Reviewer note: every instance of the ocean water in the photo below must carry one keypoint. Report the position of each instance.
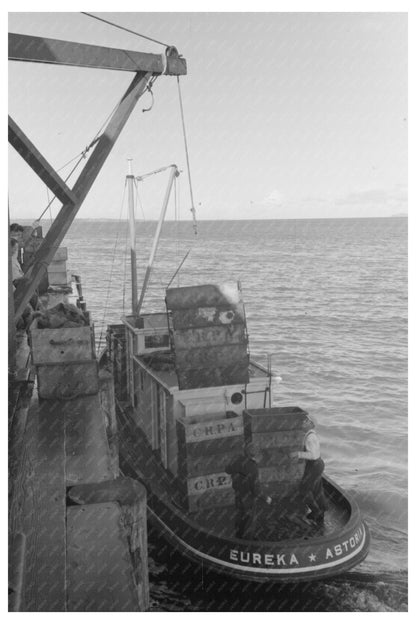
(327, 299)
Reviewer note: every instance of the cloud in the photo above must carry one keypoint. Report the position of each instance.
(274, 198)
(375, 202)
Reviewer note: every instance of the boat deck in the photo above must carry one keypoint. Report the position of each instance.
(273, 523)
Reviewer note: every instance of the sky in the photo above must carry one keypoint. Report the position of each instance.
(288, 115)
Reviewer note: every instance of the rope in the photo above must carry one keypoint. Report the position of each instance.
(187, 159)
(179, 268)
(133, 32)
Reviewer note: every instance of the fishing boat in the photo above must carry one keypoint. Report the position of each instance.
(189, 397)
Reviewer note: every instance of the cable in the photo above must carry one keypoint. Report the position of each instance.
(167, 45)
(81, 155)
(187, 159)
(112, 265)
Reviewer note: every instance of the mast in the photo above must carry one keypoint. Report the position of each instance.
(132, 228)
(173, 174)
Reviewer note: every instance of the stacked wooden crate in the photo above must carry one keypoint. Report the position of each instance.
(57, 271)
(65, 361)
(278, 431)
(209, 335)
(204, 449)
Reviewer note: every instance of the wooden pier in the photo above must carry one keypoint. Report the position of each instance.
(78, 534)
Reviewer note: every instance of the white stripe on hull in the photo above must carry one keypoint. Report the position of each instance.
(269, 571)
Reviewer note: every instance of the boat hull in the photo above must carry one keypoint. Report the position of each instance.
(288, 561)
(207, 537)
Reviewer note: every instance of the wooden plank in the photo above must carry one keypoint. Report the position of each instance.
(39, 164)
(88, 457)
(100, 573)
(64, 219)
(277, 439)
(131, 529)
(44, 511)
(58, 52)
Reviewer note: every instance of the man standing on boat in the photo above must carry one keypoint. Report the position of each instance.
(245, 479)
(311, 492)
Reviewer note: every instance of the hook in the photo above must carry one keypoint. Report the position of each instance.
(146, 110)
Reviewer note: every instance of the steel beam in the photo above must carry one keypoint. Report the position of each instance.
(57, 52)
(81, 188)
(39, 164)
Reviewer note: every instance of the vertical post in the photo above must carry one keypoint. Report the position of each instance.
(11, 321)
(173, 174)
(132, 228)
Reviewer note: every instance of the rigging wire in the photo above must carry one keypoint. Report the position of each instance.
(133, 32)
(187, 159)
(112, 266)
(177, 219)
(126, 245)
(81, 155)
(138, 198)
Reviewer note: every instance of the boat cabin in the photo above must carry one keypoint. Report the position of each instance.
(189, 375)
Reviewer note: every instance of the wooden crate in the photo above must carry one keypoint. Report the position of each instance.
(58, 278)
(66, 344)
(61, 254)
(279, 439)
(291, 471)
(278, 431)
(204, 449)
(211, 499)
(277, 419)
(67, 381)
(65, 361)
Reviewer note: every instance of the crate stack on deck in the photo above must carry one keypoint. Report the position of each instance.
(57, 270)
(278, 431)
(204, 449)
(65, 361)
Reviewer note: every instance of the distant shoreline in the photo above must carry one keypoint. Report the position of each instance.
(110, 220)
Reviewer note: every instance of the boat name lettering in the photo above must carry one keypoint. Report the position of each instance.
(292, 559)
(268, 559)
(344, 547)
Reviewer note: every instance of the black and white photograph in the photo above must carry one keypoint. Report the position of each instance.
(208, 308)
